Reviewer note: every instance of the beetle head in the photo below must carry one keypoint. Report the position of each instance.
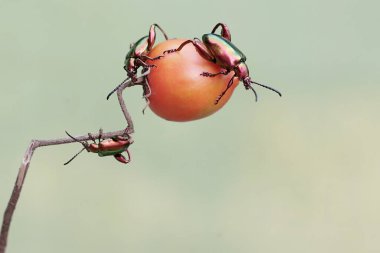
(85, 147)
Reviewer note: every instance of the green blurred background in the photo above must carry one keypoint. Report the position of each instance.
(294, 174)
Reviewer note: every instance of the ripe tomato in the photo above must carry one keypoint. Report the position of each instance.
(179, 92)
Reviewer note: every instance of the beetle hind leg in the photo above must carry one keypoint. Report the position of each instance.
(199, 46)
(225, 32)
(122, 158)
(152, 35)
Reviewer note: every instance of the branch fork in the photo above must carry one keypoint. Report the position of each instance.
(34, 144)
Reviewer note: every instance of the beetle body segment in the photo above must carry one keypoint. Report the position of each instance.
(220, 50)
(225, 54)
(138, 55)
(113, 146)
(109, 147)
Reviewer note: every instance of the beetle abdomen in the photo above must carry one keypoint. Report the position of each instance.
(226, 54)
(110, 152)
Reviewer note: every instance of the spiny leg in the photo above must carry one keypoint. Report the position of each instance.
(169, 51)
(92, 138)
(144, 64)
(152, 59)
(100, 134)
(199, 46)
(224, 92)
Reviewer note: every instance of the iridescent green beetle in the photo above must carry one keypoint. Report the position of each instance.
(138, 54)
(220, 50)
(106, 147)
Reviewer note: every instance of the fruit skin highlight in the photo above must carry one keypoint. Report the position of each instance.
(178, 91)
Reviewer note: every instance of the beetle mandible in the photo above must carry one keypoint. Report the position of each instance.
(106, 147)
(220, 50)
(138, 55)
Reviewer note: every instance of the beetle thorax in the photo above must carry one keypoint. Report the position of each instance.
(94, 148)
(241, 71)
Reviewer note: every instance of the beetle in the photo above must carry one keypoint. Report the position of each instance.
(137, 56)
(106, 147)
(220, 50)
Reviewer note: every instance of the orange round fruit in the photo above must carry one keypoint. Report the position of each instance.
(178, 91)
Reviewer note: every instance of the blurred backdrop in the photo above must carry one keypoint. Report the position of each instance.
(293, 174)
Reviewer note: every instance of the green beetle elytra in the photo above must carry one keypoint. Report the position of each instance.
(220, 50)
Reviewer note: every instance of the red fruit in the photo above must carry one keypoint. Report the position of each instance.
(179, 92)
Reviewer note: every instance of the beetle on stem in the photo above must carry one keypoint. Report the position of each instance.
(137, 57)
(106, 147)
(220, 50)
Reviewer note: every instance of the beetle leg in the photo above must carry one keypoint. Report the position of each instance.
(152, 59)
(121, 158)
(199, 46)
(224, 92)
(142, 63)
(92, 137)
(100, 134)
(169, 51)
(223, 72)
(225, 32)
(152, 35)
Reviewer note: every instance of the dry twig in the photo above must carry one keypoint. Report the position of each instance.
(41, 143)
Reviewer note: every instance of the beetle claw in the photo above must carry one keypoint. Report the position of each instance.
(157, 58)
(217, 99)
(206, 74)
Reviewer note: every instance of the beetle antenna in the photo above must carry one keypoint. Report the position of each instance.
(117, 87)
(74, 156)
(75, 139)
(251, 88)
(269, 88)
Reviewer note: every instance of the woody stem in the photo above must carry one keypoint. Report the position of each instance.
(8, 214)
